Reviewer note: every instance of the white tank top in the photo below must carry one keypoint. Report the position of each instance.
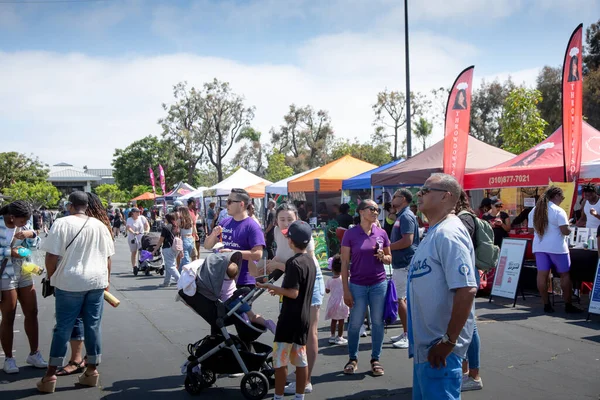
(591, 221)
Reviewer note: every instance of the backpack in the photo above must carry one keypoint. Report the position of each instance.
(486, 252)
(390, 308)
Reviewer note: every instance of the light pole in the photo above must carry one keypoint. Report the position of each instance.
(408, 133)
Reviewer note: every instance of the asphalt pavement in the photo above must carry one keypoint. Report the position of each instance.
(525, 354)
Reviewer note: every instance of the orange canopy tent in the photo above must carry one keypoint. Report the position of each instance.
(329, 177)
(145, 196)
(257, 191)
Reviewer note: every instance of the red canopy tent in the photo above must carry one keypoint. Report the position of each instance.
(536, 166)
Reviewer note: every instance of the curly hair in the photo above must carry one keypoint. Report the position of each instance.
(18, 209)
(463, 203)
(95, 209)
(540, 217)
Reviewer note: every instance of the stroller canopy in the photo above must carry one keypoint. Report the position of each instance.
(211, 275)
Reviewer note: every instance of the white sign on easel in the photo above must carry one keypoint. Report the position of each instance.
(506, 281)
(595, 295)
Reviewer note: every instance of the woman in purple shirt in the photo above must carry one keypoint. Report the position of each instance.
(365, 250)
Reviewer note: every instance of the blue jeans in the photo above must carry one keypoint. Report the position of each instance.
(374, 297)
(78, 332)
(188, 250)
(69, 305)
(170, 257)
(473, 350)
(438, 384)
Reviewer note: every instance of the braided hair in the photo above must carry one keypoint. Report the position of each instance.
(18, 209)
(95, 209)
(540, 217)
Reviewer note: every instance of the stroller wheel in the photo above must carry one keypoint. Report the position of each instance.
(208, 377)
(161, 270)
(135, 271)
(193, 386)
(254, 386)
(147, 273)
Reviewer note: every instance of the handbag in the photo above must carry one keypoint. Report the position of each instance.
(47, 288)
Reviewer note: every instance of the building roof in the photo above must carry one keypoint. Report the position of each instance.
(107, 172)
(71, 175)
(62, 164)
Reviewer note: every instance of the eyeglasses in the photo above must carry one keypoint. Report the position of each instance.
(425, 189)
(372, 209)
(229, 201)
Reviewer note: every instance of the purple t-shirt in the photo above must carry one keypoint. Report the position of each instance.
(365, 268)
(242, 235)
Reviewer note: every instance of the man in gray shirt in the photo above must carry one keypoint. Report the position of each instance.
(440, 294)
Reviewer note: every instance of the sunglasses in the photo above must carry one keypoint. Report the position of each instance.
(229, 201)
(425, 189)
(372, 209)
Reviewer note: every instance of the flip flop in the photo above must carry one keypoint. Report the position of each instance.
(79, 368)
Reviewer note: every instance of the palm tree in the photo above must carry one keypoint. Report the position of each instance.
(423, 131)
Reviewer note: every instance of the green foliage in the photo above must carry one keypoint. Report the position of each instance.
(591, 58)
(378, 154)
(591, 98)
(111, 193)
(486, 109)
(304, 138)
(423, 130)
(549, 84)
(521, 124)
(37, 194)
(139, 190)
(277, 169)
(131, 164)
(251, 154)
(17, 167)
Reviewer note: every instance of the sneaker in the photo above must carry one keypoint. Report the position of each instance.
(10, 366)
(291, 377)
(37, 360)
(332, 340)
(571, 309)
(401, 343)
(469, 384)
(363, 331)
(548, 308)
(271, 326)
(340, 341)
(165, 284)
(291, 388)
(394, 339)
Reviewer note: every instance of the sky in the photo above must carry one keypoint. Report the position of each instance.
(80, 78)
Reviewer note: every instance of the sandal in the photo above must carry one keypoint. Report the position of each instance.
(79, 367)
(351, 367)
(376, 368)
(46, 386)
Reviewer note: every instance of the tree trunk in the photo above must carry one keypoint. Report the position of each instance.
(395, 143)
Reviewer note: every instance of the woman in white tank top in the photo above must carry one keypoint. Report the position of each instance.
(591, 208)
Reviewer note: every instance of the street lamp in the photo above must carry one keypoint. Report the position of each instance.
(408, 134)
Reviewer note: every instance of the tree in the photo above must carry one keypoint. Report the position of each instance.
(17, 167)
(182, 127)
(549, 84)
(224, 116)
(35, 193)
(591, 57)
(390, 111)
(304, 137)
(486, 110)
(250, 155)
(591, 98)
(277, 168)
(378, 154)
(423, 130)
(111, 193)
(131, 164)
(521, 123)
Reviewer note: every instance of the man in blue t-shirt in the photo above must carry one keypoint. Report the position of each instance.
(404, 242)
(440, 294)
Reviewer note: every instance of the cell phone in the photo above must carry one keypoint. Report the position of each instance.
(262, 279)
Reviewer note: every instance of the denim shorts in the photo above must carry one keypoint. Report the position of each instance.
(443, 383)
(319, 290)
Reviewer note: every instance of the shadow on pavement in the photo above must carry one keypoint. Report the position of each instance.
(146, 288)
(333, 350)
(154, 388)
(401, 394)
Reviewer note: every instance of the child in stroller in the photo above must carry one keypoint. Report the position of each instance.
(147, 260)
(222, 352)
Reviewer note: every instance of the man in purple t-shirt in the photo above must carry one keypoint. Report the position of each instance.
(240, 233)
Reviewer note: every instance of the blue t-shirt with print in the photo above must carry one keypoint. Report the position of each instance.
(443, 262)
(406, 224)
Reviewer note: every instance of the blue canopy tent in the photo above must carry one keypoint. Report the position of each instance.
(363, 181)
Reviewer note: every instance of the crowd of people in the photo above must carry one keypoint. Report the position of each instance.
(435, 276)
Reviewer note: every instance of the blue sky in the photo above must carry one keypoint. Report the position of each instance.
(94, 74)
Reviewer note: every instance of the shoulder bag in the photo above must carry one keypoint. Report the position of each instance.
(47, 288)
(2, 268)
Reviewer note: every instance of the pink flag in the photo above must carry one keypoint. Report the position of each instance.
(161, 171)
(152, 181)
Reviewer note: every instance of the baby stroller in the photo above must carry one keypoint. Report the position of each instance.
(147, 261)
(222, 352)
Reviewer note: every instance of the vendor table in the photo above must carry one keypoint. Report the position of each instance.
(583, 265)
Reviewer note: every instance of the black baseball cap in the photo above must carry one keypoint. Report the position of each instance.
(299, 232)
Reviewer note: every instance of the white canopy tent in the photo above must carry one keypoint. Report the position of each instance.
(281, 187)
(239, 179)
(195, 194)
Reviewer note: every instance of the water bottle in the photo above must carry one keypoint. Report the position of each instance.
(23, 252)
(31, 268)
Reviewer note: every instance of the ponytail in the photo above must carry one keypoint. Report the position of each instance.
(540, 217)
